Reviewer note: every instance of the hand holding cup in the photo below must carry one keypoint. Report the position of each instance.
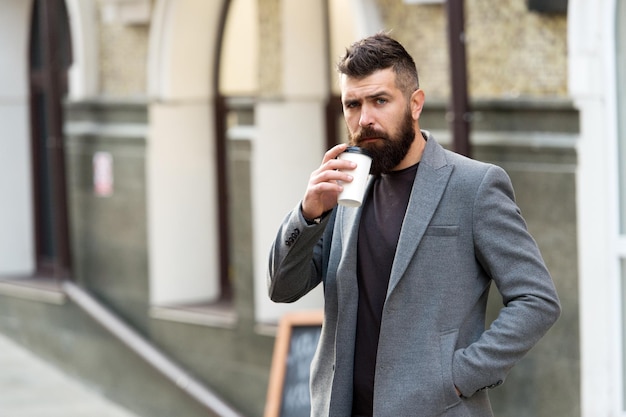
(326, 182)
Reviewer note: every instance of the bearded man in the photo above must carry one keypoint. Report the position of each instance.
(406, 276)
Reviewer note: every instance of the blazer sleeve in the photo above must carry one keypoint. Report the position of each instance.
(298, 257)
(509, 254)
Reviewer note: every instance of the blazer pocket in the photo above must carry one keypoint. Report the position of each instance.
(447, 343)
(442, 230)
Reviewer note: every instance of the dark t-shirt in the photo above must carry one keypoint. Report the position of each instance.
(379, 230)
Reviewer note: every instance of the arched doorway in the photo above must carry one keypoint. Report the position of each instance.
(34, 217)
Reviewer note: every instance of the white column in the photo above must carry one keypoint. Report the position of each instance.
(284, 155)
(181, 165)
(184, 262)
(290, 140)
(16, 216)
(592, 86)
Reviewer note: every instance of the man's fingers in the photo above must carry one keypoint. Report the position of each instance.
(331, 163)
(330, 175)
(334, 152)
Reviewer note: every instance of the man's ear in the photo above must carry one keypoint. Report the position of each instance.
(417, 103)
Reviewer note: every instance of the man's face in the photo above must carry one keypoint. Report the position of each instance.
(378, 118)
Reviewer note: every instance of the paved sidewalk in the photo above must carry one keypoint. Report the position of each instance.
(29, 387)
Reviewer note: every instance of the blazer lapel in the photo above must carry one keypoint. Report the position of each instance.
(430, 183)
(349, 219)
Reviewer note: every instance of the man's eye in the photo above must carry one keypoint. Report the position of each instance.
(351, 105)
(381, 100)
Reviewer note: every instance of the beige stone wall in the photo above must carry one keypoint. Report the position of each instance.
(270, 72)
(511, 52)
(422, 30)
(123, 60)
(123, 51)
(514, 52)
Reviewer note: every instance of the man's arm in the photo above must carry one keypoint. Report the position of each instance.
(296, 258)
(295, 263)
(511, 257)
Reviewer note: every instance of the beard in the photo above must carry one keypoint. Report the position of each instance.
(388, 152)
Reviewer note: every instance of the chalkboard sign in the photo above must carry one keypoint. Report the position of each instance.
(296, 342)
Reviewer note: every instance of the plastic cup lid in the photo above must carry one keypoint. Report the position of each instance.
(356, 149)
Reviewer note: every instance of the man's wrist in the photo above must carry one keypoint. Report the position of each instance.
(310, 222)
(315, 220)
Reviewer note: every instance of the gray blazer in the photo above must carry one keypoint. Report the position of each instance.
(462, 230)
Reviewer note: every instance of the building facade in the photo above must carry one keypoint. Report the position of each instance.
(147, 157)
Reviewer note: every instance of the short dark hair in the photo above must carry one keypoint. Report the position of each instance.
(378, 52)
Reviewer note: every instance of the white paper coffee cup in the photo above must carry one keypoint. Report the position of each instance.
(353, 192)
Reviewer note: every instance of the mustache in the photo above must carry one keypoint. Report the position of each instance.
(368, 133)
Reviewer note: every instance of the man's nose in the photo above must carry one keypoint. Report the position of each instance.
(366, 118)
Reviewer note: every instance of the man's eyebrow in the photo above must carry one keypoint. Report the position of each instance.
(377, 94)
(373, 96)
(350, 100)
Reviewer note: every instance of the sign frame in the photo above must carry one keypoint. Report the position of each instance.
(281, 352)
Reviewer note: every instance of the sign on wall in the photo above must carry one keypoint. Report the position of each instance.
(103, 174)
